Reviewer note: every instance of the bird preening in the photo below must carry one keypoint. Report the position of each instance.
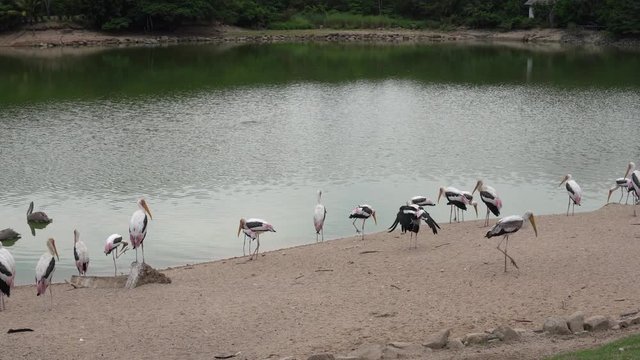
(255, 226)
(362, 212)
(409, 218)
(45, 268)
(116, 247)
(510, 225)
(574, 191)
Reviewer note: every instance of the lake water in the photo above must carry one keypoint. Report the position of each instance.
(209, 134)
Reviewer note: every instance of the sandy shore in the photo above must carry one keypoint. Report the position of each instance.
(338, 295)
(52, 37)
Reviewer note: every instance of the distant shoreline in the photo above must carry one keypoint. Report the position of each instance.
(69, 37)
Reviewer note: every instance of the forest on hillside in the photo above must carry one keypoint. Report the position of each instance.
(619, 17)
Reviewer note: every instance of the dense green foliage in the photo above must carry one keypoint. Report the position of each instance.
(616, 16)
(630, 350)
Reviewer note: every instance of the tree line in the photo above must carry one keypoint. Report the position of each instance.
(620, 17)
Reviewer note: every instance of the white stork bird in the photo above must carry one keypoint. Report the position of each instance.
(455, 198)
(635, 183)
(421, 201)
(490, 198)
(138, 226)
(116, 247)
(362, 212)
(7, 274)
(509, 225)
(45, 268)
(80, 253)
(574, 191)
(319, 214)
(624, 184)
(256, 226)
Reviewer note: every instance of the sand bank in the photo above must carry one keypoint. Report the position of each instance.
(337, 295)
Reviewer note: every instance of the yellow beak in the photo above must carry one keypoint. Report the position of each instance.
(440, 194)
(374, 217)
(609, 197)
(239, 229)
(146, 208)
(475, 188)
(55, 250)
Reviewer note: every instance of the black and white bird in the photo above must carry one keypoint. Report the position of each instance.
(635, 183)
(116, 247)
(490, 198)
(80, 254)
(625, 185)
(319, 215)
(38, 216)
(256, 226)
(455, 198)
(510, 225)
(574, 191)
(45, 268)
(362, 212)
(138, 226)
(409, 218)
(421, 201)
(7, 274)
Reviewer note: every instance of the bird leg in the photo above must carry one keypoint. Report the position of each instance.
(322, 231)
(363, 220)
(51, 291)
(568, 205)
(621, 195)
(142, 245)
(573, 209)
(1, 302)
(255, 254)
(136, 255)
(115, 267)
(354, 225)
(506, 237)
(450, 212)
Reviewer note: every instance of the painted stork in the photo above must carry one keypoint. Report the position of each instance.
(38, 216)
(9, 234)
(7, 274)
(138, 226)
(409, 217)
(455, 198)
(80, 253)
(490, 198)
(247, 234)
(116, 247)
(45, 268)
(574, 191)
(635, 183)
(362, 212)
(624, 184)
(319, 214)
(421, 201)
(256, 226)
(509, 225)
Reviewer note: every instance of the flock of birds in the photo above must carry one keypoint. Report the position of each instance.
(409, 217)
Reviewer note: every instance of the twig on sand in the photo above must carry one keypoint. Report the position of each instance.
(11, 331)
(319, 270)
(522, 320)
(298, 277)
(395, 287)
(623, 299)
(369, 251)
(630, 313)
(227, 356)
(437, 246)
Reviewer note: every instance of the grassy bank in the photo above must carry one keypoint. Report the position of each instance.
(628, 348)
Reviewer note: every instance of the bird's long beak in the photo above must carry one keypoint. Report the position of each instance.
(55, 250)
(239, 228)
(609, 197)
(475, 188)
(563, 180)
(75, 236)
(533, 223)
(440, 194)
(475, 206)
(146, 208)
(374, 217)
(628, 170)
